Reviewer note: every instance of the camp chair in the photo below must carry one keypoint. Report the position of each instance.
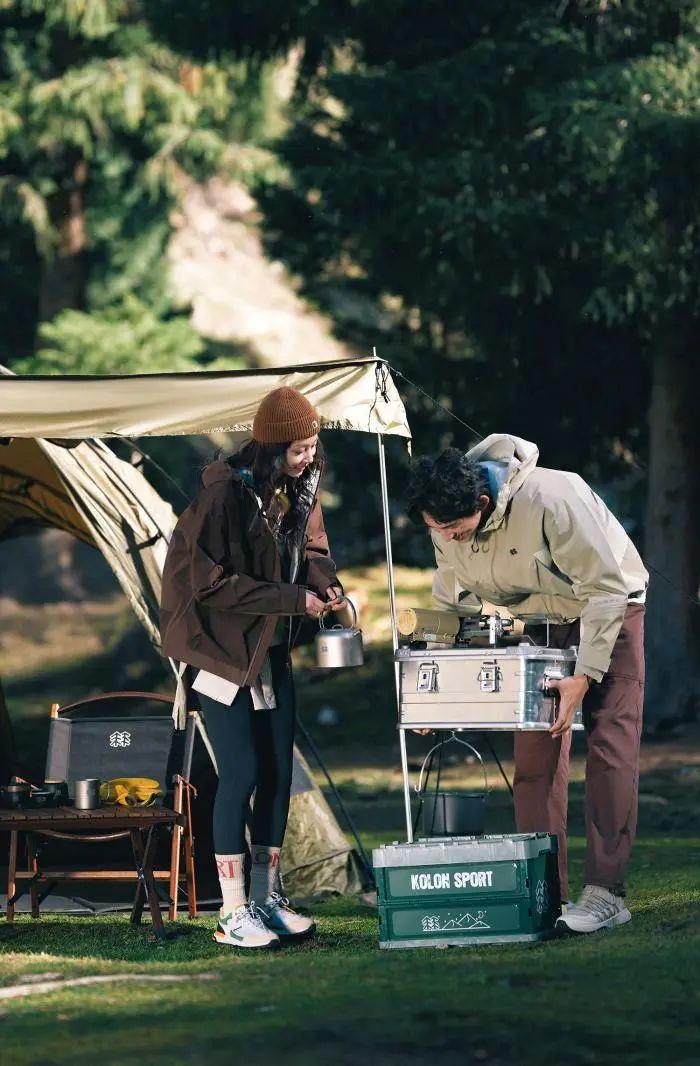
(102, 747)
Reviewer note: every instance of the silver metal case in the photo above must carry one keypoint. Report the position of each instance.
(482, 688)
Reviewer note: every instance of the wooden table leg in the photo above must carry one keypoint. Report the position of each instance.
(33, 868)
(144, 869)
(189, 859)
(149, 856)
(11, 881)
(175, 848)
(140, 895)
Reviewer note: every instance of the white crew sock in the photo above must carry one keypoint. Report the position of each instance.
(264, 872)
(232, 880)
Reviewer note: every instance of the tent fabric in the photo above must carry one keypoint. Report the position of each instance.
(316, 858)
(32, 493)
(354, 394)
(88, 491)
(129, 522)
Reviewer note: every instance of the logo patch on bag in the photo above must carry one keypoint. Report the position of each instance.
(120, 739)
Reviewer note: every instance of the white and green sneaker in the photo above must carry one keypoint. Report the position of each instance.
(598, 908)
(245, 928)
(285, 922)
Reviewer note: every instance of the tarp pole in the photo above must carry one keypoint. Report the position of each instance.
(394, 631)
(387, 541)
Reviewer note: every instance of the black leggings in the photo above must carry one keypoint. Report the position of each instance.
(254, 753)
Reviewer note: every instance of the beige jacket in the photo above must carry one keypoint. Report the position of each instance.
(550, 549)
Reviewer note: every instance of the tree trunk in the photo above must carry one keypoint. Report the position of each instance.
(673, 533)
(63, 276)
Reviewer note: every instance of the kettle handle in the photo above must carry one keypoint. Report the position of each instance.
(354, 617)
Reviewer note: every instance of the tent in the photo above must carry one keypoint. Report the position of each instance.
(55, 471)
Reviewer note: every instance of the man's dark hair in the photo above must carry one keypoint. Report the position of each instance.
(446, 488)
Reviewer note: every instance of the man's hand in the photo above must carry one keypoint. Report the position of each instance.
(571, 692)
(336, 600)
(314, 606)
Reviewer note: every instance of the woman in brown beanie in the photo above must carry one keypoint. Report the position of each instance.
(247, 560)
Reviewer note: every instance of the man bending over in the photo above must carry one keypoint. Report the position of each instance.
(542, 544)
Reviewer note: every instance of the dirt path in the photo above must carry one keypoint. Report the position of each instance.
(237, 294)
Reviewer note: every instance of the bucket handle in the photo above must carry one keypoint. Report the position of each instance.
(440, 743)
(338, 625)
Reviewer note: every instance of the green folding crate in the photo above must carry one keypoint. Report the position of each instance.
(462, 891)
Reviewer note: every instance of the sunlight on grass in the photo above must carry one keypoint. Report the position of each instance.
(629, 994)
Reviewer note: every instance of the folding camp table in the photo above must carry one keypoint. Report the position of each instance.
(142, 825)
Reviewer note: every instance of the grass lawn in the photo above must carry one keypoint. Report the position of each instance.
(631, 994)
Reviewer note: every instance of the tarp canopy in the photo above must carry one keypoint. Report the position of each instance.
(356, 394)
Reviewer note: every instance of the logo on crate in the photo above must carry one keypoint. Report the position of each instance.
(460, 879)
(433, 923)
(120, 739)
(542, 896)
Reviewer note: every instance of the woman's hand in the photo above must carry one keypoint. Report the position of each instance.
(571, 692)
(314, 605)
(336, 600)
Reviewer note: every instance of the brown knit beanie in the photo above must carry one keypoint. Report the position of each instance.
(285, 415)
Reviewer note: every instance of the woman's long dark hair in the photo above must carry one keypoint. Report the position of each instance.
(266, 463)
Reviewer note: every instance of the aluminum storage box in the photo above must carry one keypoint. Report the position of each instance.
(481, 688)
(465, 891)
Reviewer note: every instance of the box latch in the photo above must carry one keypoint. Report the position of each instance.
(427, 677)
(490, 676)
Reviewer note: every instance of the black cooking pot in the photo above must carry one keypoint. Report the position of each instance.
(454, 814)
(14, 797)
(40, 798)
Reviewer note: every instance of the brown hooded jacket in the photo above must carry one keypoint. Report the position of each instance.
(222, 582)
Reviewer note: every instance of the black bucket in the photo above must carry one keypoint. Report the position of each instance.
(448, 814)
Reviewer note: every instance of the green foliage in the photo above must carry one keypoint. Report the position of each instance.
(519, 184)
(86, 81)
(100, 122)
(126, 338)
(251, 29)
(89, 18)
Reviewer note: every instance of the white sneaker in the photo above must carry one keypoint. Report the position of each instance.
(285, 922)
(598, 908)
(244, 928)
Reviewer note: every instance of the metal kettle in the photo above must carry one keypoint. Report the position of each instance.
(340, 645)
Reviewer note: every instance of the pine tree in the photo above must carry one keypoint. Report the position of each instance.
(519, 184)
(98, 122)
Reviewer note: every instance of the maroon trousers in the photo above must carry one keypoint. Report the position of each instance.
(612, 715)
